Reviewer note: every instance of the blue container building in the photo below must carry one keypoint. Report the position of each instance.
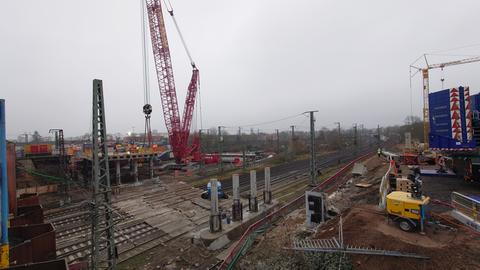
(451, 119)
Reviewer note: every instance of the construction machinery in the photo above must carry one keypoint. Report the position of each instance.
(407, 210)
(426, 86)
(402, 198)
(178, 128)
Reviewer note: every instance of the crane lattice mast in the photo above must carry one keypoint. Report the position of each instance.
(178, 130)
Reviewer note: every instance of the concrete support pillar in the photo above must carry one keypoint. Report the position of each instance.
(135, 170)
(252, 198)
(117, 172)
(237, 207)
(267, 193)
(151, 168)
(236, 186)
(215, 220)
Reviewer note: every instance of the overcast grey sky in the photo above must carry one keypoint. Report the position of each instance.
(259, 60)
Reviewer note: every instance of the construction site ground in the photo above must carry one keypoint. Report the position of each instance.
(448, 244)
(180, 253)
(157, 219)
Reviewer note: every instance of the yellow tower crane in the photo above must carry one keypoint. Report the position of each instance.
(426, 86)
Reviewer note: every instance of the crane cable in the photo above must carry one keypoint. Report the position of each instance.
(267, 122)
(170, 11)
(184, 43)
(147, 108)
(146, 79)
(411, 95)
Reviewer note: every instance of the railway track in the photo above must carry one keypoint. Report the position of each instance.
(297, 170)
(132, 236)
(291, 184)
(128, 236)
(133, 233)
(135, 236)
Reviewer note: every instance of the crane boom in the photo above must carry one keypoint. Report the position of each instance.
(454, 63)
(178, 131)
(189, 105)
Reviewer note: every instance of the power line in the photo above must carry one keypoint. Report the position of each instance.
(458, 48)
(266, 123)
(184, 43)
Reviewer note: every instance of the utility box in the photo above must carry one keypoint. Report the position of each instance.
(315, 208)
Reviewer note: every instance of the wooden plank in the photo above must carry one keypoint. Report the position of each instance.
(363, 185)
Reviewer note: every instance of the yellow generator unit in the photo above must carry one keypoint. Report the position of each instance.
(406, 210)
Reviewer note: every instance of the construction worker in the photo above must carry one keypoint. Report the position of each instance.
(441, 163)
(468, 170)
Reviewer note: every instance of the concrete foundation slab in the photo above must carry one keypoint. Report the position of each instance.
(359, 169)
(235, 229)
(219, 243)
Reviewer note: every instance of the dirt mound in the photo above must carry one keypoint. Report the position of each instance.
(363, 226)
(409, 238)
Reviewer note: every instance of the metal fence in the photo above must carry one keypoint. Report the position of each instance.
(466, 205)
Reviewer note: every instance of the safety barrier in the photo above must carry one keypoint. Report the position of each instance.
(258, 227)
(466, 205)
(385, 185)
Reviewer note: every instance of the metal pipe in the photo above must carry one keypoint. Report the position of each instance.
(4, 256)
